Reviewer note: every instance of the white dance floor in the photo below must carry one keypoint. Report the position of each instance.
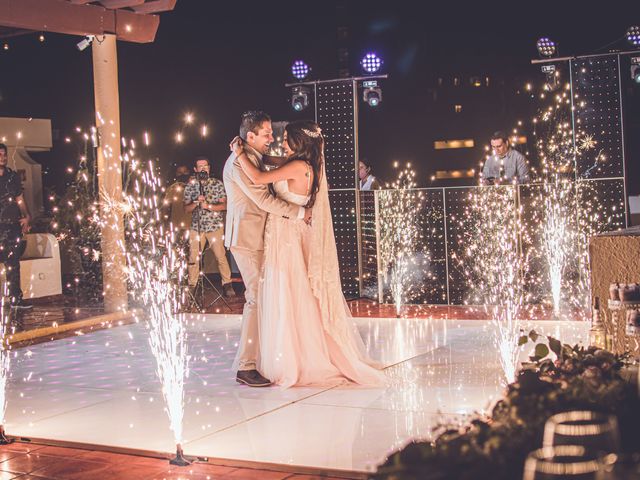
(101, 389)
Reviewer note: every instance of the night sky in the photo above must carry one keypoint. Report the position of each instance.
(218, 59)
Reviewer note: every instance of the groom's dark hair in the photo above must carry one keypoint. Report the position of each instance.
(251, 122)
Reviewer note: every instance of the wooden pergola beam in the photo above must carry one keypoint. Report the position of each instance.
(156, 6)
(114, 4)
(61, 16)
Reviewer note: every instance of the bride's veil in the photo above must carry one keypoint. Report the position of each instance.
(324, 274)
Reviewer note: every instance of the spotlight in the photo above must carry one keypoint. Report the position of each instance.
(300, 70)
(633, 36)
(300, 98)
(85, 42)
(635, 70)
(41, 37)
(546, 47)
(552, 77)
(371, 63)
(372, 93)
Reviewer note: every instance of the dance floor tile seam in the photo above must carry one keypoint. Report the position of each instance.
(305, 400)
(222, 429)
(288, 404)
(395, 410)
(68, 412)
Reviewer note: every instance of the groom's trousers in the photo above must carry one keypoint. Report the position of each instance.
(249, 263)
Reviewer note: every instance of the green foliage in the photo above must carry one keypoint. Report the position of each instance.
(496, 445)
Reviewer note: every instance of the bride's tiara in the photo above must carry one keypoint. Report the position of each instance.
(312, 133)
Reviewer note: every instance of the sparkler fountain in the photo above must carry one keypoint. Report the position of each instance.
(155, 261)
(5, 361)
(567, 217)
(153, 272)
(494, 265)
(156, 268)
(400, 234)
(557, 234)
(555, 146)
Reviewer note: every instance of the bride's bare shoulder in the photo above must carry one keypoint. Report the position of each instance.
(298, 165)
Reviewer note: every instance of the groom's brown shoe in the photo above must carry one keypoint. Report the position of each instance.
(252, 378)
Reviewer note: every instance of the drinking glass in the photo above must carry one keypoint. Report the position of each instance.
(564, 462)
(595, 431)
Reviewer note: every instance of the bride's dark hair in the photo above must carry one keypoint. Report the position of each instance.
(306, 141)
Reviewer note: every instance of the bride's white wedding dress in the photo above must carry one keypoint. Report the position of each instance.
(307, 335)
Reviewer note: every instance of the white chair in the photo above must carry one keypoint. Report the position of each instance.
(40, 274)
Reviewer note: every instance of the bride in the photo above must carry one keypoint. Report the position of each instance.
(307, 335)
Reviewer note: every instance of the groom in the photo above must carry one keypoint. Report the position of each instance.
(247, 208)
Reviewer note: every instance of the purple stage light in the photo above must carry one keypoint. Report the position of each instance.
(300, 70)
(371, 63)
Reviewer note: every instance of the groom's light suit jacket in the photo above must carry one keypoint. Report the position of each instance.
(248, 205)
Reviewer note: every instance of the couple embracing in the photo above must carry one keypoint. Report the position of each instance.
(296, 325)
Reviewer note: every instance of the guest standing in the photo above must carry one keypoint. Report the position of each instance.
(14, 222)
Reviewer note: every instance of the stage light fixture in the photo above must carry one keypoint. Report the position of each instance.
(85, 42)
(299, 98)
(552, 77)
(546, 47)
(372, 93)
(635, 70)
(371, 63)
(633, 36)
(300, 70)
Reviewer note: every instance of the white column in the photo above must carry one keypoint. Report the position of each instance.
(107, 102)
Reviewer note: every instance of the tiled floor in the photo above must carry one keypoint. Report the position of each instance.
(101, 389)
(24, 462)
